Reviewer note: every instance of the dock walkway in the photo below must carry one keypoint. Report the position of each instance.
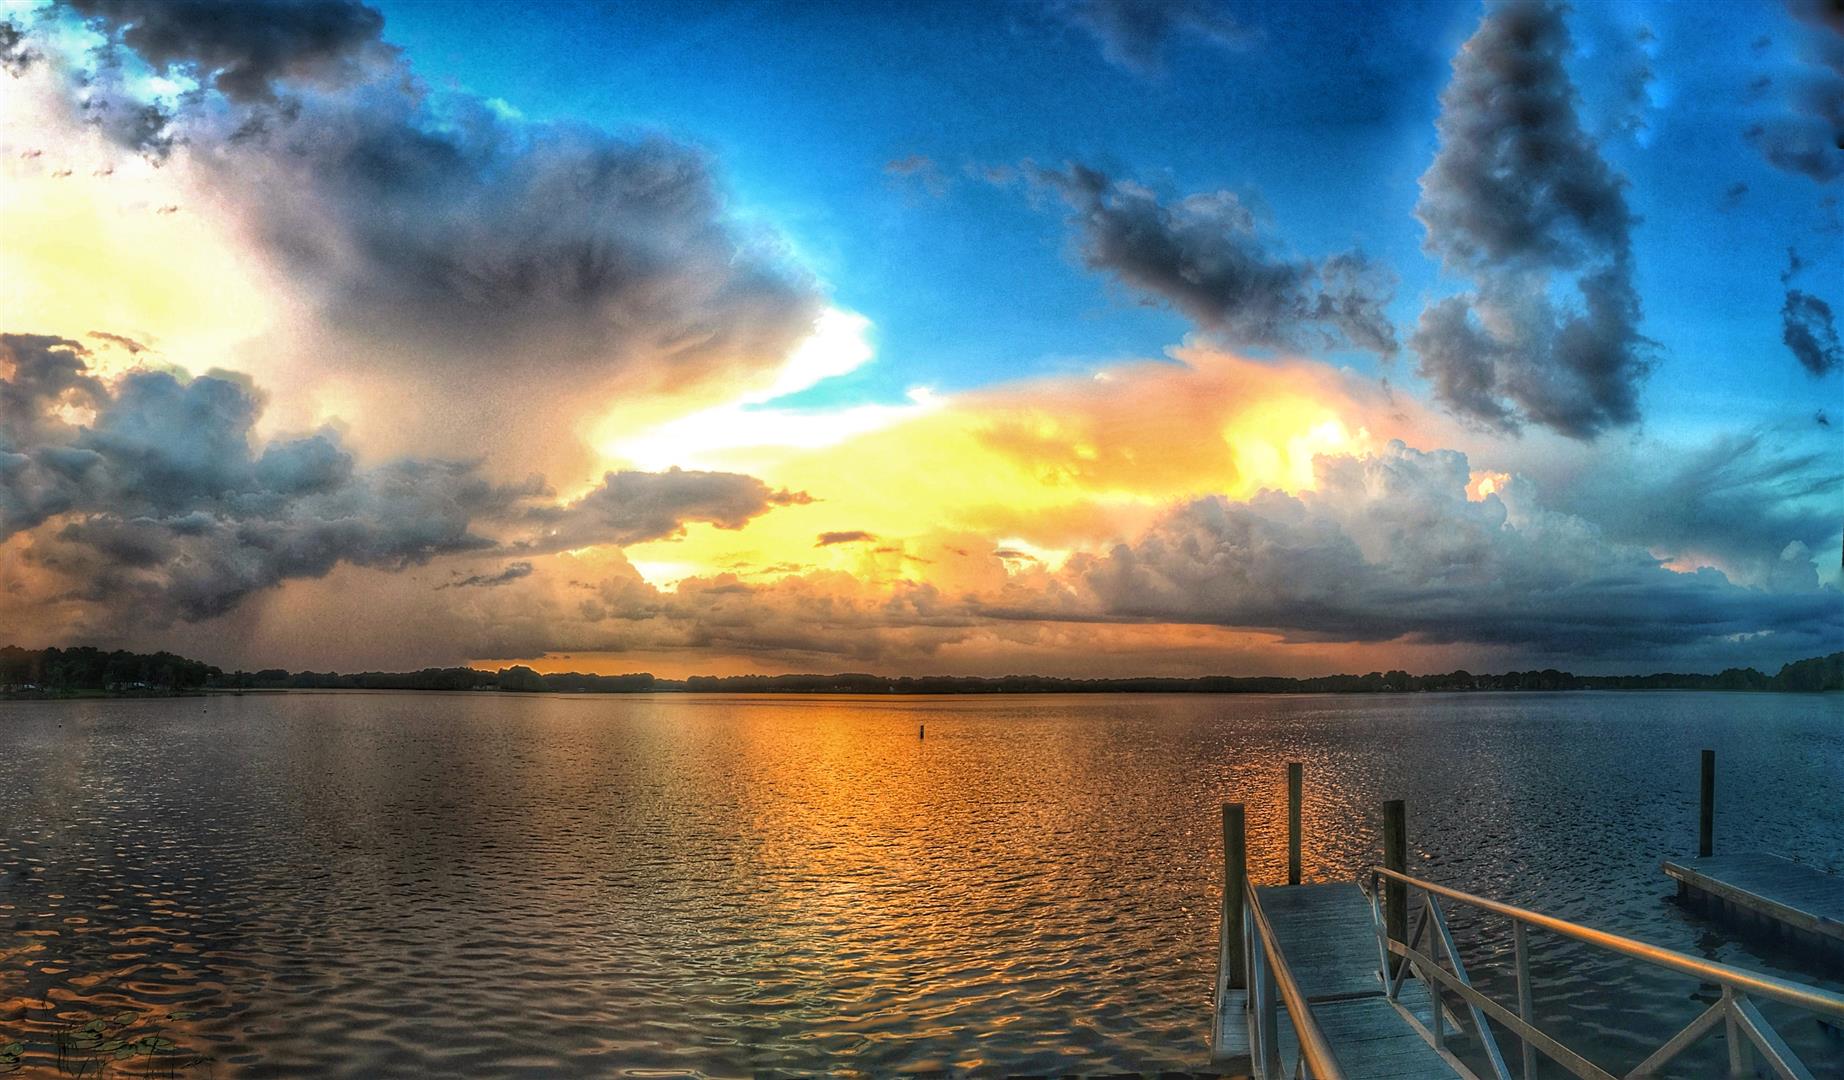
(1767, 889)
(1327, 935)
(1317, 953)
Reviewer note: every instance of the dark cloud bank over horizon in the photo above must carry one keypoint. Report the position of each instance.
(150, 493)
(1390, 546)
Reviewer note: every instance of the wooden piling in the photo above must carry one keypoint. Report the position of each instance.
(1706, 817)
(1294, 781)
(1396, 857)
(921, 731)
(1235, 880)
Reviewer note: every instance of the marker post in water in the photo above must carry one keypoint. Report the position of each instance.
(1706, 817)
(1294, 783)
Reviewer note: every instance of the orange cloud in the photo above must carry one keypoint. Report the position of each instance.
(1059, 463)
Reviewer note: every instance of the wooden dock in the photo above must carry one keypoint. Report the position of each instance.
(1300, 987)
(1766, 892)
(1759, 892)
(1327, 935)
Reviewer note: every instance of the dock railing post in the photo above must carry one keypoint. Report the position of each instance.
(1233, 958)
(1396, 857)
(1294, 782)
(1706, 817)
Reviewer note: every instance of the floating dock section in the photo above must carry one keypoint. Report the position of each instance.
(1759, 892)
(1767, 893)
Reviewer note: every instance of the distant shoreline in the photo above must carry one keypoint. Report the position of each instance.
(90, 672)
(98, 695)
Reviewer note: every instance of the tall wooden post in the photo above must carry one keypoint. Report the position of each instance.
(1396, 857)
(1293, 822)
(1706, 818)
(1233, 957)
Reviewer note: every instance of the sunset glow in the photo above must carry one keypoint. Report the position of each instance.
(612, 391)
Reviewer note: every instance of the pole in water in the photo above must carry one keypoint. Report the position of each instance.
(1706, 818)
(921, 731)
(1293, 822)
(1233, 958)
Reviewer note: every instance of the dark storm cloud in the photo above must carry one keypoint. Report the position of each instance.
(1136, 34)
(634, 507)
(441, 224)
(15, 55)
(1205, 255)
(1807, 135)
(245, 47)
(150, 492)
(458, 227)
(512, 572)
(1519, 200)
(1807, 325)
(1389, 546)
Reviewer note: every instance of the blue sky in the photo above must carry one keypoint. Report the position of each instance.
(1286, 337)
(1324, 120)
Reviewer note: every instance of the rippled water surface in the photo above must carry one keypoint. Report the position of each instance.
(489, 885)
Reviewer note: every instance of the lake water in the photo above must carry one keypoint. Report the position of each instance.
(486, 885)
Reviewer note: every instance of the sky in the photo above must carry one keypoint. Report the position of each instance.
(1053, 336)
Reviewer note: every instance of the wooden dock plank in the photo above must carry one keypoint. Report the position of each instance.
(1229, 1042)
(1372, 1041)
(1800, 897)
(1326, 934)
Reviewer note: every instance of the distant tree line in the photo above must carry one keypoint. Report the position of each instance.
(55, 671)
(1820, 673)
(86, 668)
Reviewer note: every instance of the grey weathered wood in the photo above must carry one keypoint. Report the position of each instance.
(1706, 815)
(1373, 1041)
(1327, 937)
(1798, 898)
(1229, 1032)
(1294, 784)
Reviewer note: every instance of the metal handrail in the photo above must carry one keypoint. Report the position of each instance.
(1315, 1048)
(1808, 997)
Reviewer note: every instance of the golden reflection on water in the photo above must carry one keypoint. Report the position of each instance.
(481, 885)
